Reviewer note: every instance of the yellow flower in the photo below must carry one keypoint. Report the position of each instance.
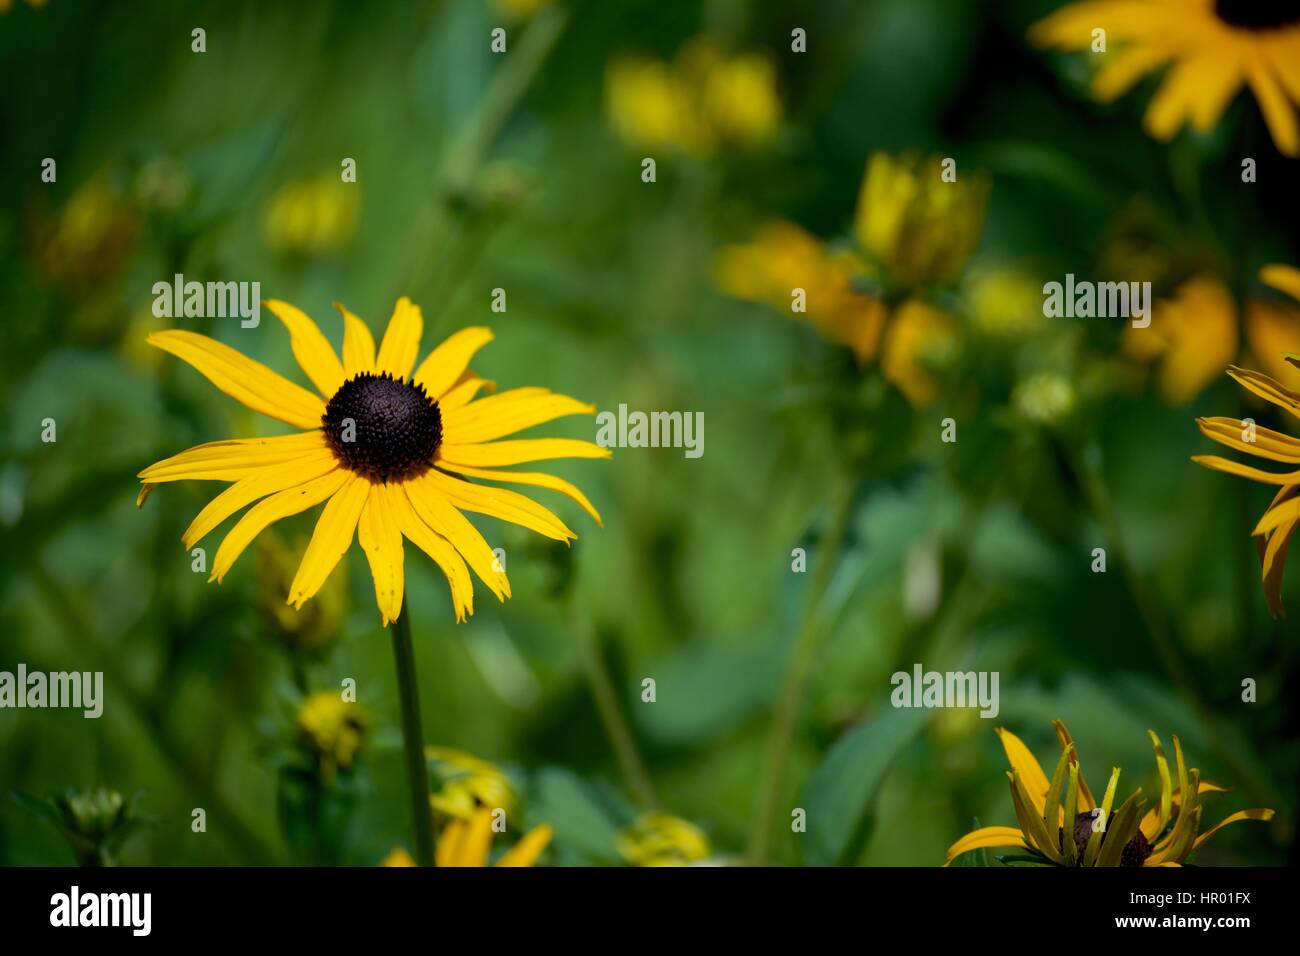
(1278, 524)
(1212, 48)
(333, 729)
(783, 258)
(469, 784)
(1196, 333)
(313, 217)
(398, 856)
(660, 839)
(1045, 398)
(700, 102)
(1087, 833)
(921, 337)
(915, 226)
(388, 446)
(468, 842)
(1005, 303)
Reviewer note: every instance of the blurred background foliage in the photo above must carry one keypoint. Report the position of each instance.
(477, 171)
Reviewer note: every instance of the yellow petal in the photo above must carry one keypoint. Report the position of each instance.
(444, 365)
(401, 344)
(358, 344)
(536, 478)
(528, 849)
(507, 413)
(233, 459)
(463, 392)
(242, 378)
(381, 540)
(1254, 814)
(310, 347)
(1283, 278)
(291, 501)
(438, 513)
(1246, 471)
(476, 840)
(448, 851)
(1154, 822)
(1274, 561)
(439, 549)
(265, 481)
(330, 540)
(1285, 513)
(500, 503)
(1023, 762)
(1032, 824)
(1123, 68)
(1267, 443)
(1086, 799)
(1277, 109)
(519, 450)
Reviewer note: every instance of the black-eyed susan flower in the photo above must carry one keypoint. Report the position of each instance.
(1211, 48)
(332, 730)
(1060, 822)
(467, 784)
(661, 839)
(1279, 522)
(394, 451)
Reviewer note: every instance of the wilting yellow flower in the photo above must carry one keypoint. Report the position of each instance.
(1279, 522)
(1195, 334)
(1212, 48)
(1085, 832)
(661, 839)
(468, 842)
(916, 227)
(783, 258)
(333, 729)
(920, 338)
(702, 101)
(92, 236)
(313, 217)
(469, 784)
(386, 445)
(316, 626)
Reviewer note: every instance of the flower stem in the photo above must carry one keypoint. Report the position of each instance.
(800, 660)
(417, 770)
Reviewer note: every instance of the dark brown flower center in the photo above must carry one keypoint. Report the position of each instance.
(383, 428)
(1135, 851)
(1258, 14)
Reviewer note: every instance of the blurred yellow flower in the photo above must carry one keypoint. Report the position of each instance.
(1212, 49)
(1005, 303)
(317, 625)
(1045, 398)
(915, 226)
(782, 258)
(702, 101)
(468, 843)
(1086, 833)
(332, 729)
(468, 784)
(660, 839)
(313, 217)
(92, 236)
(921, 338)
(1279, 522)
(1194, 335)
(398, 856)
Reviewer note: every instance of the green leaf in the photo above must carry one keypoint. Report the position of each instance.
(842, 790)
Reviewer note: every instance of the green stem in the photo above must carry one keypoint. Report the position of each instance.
(417, 770)
(626, 752)
(798, 664)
